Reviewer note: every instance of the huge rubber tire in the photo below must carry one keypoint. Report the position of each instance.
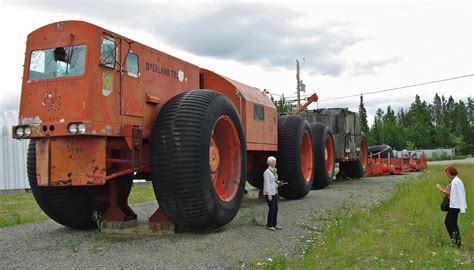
(324, 159)
(357, 168)
(198, 160)
(295, 156)
(69, 206)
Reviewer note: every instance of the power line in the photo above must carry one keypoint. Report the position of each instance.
(398, 88)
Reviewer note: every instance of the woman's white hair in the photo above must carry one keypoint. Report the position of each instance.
(270, 159)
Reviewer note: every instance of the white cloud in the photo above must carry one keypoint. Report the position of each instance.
(348, 48)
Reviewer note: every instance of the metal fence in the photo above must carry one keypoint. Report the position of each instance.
(12, 155)
(430, 153)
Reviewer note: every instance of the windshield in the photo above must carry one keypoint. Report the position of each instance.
(57, 62)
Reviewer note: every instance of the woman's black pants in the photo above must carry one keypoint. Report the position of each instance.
(272, 211)
(451, 222)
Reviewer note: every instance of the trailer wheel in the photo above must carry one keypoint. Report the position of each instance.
(198, 160)
(357, 168)
(324, 166)
(295, 156)
(69, 206)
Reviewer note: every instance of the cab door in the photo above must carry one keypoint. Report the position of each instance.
(133, 94)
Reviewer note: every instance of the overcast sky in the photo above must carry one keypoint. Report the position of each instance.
(344, 48)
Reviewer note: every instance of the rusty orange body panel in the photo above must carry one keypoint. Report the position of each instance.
(53, 171)
(261, 133)
(116, 103)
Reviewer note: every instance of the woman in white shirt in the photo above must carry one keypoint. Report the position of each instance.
(457, 203)
(270, 191)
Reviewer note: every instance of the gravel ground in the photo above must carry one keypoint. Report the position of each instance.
(49, 245)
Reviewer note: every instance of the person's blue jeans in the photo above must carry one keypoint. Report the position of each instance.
(272, 211)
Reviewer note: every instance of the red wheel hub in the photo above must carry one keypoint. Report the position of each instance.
(306, 156)
(363, 152)
(329, 154)
(225, 159)
(214, 158)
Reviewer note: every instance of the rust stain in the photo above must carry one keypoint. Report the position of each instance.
(52, 101)
(66, 182)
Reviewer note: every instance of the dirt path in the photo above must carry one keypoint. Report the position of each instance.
(457, 161)
(49, 245)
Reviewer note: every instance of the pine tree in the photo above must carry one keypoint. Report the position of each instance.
(437, 111)
(363, 116)
(420, 126)
(377, 132)
(448, 113)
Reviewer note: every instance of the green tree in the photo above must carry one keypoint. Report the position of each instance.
(393, 132)
(443, 123)
(460, 127)
(363, 116)
(377, 132)
(282, 105)
(419, 124)
(442, 137)
(469, 137)
(419, 113)
(448, 112)
(437, 111)
(402, 118)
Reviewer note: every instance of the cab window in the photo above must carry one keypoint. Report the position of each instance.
(108, 52)
(132, 64)
(258, 113)
(57, 62)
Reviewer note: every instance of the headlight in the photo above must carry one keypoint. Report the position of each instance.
(72, 128)
(82, 128)
(27, 131)
(19, 132)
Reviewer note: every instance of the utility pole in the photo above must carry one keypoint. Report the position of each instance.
(298, 83)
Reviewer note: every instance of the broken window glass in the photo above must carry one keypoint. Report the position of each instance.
(108, 55)
(57, 62)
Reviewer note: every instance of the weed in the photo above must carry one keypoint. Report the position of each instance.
(253, 218)
(74, 244)
(97, 218)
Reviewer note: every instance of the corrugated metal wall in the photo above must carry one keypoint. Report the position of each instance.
(450, 152)
(12, 155)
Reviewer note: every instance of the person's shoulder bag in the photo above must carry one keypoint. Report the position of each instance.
(445, 204)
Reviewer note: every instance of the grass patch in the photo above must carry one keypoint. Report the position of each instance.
(406, 231)
(21, 208)
(141, 193)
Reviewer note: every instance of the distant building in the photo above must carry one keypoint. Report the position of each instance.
(12, 155)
